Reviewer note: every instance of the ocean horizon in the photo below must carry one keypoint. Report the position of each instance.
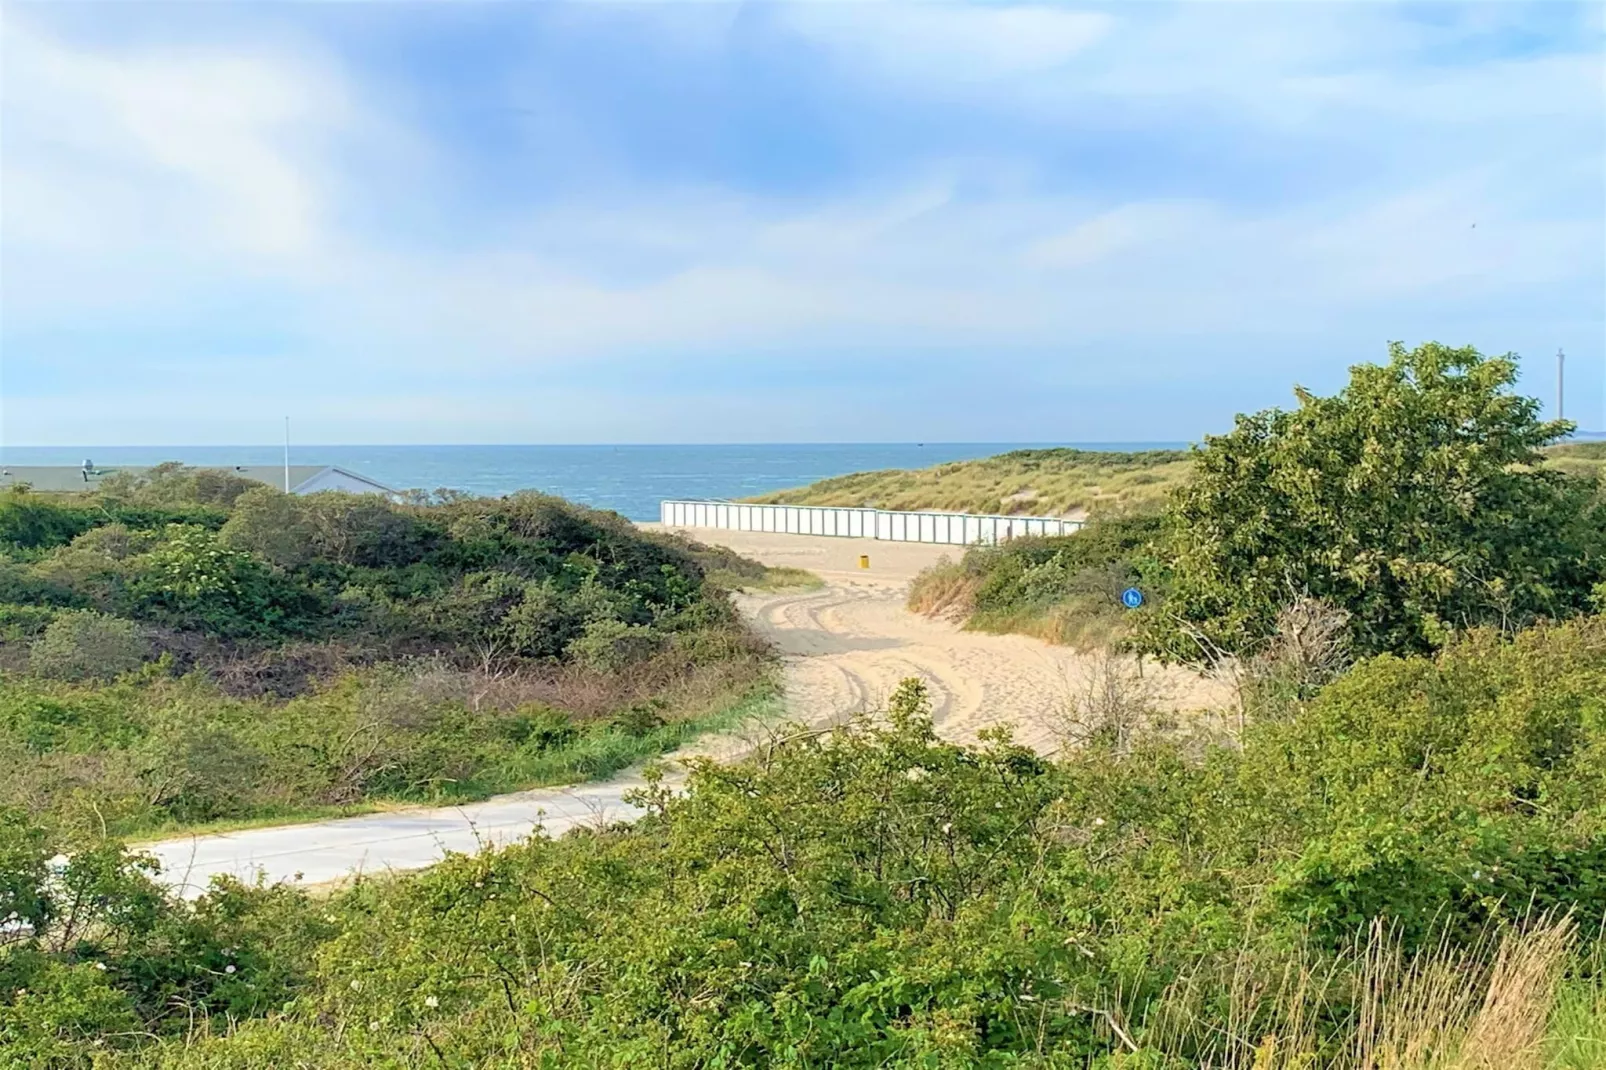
(630, 479)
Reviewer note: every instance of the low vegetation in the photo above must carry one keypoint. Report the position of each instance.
(1051, 482)
(1586, 459)
(1065, 589)
(191, 648)
(1401, 871)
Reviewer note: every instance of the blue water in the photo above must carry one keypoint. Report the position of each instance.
(631, 480)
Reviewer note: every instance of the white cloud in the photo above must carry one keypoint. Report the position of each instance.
(140, 186)
(212, 148)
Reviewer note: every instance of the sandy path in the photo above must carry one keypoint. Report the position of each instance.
(846, 647)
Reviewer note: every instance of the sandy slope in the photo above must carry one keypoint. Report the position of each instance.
(847, 646)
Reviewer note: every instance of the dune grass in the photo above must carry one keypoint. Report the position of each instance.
(774, 579)
(1052, 482)
(1057, 482)
(1579, 459)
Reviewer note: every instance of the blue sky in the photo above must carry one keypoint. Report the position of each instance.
(702, 222)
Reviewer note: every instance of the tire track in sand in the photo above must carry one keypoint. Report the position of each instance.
(846, 646)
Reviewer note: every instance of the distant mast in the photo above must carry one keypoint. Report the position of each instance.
(287, 455)
(1561, 378)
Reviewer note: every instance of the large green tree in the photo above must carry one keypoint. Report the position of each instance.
(1415, 499)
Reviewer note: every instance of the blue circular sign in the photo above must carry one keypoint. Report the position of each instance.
(1131, 598)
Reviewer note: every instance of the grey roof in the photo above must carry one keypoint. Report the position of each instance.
(63, 477)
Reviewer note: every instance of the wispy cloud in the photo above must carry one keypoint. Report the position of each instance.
(495, 200)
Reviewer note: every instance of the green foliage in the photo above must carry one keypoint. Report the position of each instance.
(874, 897)
(341, 650)
(172, 485)
(1412, 499)
(271, 524)
(191, 580)
(1065, 589)
(151, 753)
(1473, 784)
(30, 522)
(23, 622)
(107, 958)
(80, 644)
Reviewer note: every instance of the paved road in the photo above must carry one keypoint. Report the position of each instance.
(377, 843)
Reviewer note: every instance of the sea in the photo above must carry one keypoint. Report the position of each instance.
(627, 479)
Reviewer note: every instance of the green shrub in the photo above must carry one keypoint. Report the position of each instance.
(1412, 500)
(80, 644)
(173, 486)
(30, 522)
(271, 524)
(192, 580)
(24, 622)
(877, 897)
(612, 645)
(1061, 588)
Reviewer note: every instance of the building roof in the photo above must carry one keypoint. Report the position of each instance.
(62, 477)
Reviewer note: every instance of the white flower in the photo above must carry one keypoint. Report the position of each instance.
(356, 986)
(431, 1002)
(101, 966)
(1098, 821)
(947, 828)
(229, 968)
(915, 773)
(373, 1026)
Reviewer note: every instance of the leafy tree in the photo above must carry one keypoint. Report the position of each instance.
(1411, 499)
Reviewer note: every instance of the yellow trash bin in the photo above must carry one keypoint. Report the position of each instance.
(864, 560)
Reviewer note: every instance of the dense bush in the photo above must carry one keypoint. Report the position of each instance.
(1413, 500)
(340, 649)
(80, 644)
(875, 897)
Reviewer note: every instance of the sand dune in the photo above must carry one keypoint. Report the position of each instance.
(847, 646)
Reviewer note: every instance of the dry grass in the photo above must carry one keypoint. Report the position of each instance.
(1496, 1005)
(946, 589)
(1056, 482)
(1112, 706)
